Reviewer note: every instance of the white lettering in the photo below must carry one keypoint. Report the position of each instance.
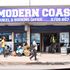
(14, 13)
(3, 13)
(51, 12)
(45, 12)
(59, 19)
(59, 12)
(4, 20)
(66, 12)
(21, 19)
(0, 13)
(36, 19)
(8, 13)
(21, 12)
(35, 12)
(27, 13)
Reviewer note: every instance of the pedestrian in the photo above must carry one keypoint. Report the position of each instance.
(3, 43)
(33, 50)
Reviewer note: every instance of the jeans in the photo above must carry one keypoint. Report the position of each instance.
(33, 54)
(4, 51)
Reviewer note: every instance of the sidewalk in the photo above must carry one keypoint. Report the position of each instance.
(43, 58)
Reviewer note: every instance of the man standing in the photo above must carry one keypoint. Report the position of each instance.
(34, 50)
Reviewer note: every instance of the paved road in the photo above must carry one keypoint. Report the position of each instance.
(32, 67)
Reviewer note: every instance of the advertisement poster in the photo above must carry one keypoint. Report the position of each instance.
(64, 37)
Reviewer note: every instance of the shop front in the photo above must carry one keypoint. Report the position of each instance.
(49, 25)
(15, 35)
(51, 38)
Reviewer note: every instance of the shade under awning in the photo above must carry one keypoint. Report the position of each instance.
(50, 28)
(11, 28)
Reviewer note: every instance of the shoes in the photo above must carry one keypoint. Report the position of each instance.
(30, 58)
(36, 59)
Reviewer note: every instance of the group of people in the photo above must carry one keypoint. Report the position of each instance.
(32, 50)
(28, 51)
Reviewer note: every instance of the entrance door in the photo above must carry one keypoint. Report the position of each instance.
(19, 38)
(48, 41)
(36, 36)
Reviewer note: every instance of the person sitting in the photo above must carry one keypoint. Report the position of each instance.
(19, 51)
(26, 49)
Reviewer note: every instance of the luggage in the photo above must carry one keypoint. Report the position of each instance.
(13, 53)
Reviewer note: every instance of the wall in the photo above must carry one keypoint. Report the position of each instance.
(33, 2)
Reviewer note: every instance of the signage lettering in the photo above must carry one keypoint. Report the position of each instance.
(56, 13)
(20, 13)
(34, 14)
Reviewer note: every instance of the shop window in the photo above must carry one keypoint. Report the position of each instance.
(19, 38)
(35, 36)
(64, 38)
(7, 35)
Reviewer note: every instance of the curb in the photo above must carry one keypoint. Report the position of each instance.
(34, 63)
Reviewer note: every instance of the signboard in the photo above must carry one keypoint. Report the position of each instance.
(34, 14)
(64, 37)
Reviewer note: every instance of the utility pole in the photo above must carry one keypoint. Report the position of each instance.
(29, 2)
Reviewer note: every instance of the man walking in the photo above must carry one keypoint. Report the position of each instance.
(34, 50)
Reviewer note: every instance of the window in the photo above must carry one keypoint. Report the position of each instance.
(20, 37)
(7, 35)
(35, 36)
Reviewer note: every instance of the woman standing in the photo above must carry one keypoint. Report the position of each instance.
(3, 43)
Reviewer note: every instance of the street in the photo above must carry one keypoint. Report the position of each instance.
(32, 67)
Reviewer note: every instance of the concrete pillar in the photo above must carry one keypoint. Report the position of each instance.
(28, 35)
(42, 44)
(12, 41)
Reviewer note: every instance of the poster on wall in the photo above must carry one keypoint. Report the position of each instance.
(10, 37)
(64, 37)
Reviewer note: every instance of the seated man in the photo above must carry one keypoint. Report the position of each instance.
(19, 51)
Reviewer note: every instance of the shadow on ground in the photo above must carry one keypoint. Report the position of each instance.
(50, 63)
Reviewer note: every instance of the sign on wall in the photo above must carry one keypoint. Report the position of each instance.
(64, 37)
(34, 14)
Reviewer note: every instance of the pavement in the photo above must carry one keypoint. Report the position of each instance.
(43, 59)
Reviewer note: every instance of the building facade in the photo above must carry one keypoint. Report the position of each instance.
(47, 24)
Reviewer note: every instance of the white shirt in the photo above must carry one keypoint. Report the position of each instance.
(35, 44)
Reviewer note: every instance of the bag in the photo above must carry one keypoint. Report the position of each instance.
(13, 53)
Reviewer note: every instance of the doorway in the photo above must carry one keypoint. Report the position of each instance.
(19, 39)
(36, 36)
(47, 41)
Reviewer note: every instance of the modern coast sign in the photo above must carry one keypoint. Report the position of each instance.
(34, 14)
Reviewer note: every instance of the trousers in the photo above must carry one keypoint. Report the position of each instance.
(33, 54)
